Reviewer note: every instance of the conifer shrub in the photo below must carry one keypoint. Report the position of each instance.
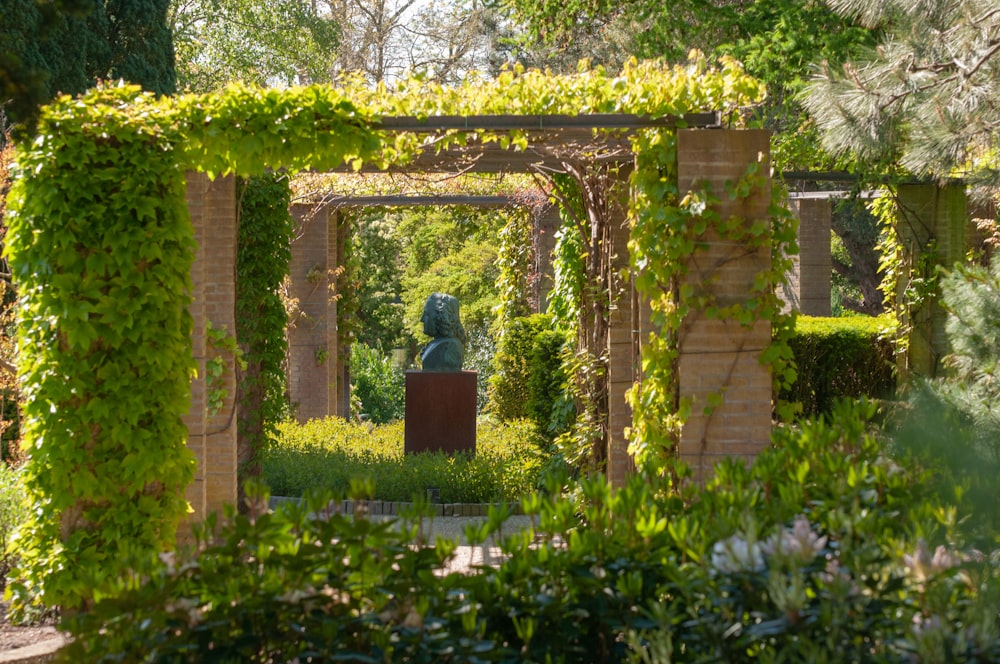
(331, 453)
(530, 381)
(846, 357)
(954, 420)
(379, 387)
(823, 550)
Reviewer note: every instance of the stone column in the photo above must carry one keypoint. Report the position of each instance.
(717, 357)
(808, 288)
(931, 219)
(212, 436)
(314, 362)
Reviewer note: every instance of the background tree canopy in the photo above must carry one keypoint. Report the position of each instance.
(67, 46)
(928, 98)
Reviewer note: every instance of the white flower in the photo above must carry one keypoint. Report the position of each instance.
(798, 543)
(735, 554)
(923, 565)
(923, 624)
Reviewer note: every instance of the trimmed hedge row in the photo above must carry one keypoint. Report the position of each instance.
(332, 453)
(840, 357)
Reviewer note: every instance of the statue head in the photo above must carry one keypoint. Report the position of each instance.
(441, 321)
(441, 318)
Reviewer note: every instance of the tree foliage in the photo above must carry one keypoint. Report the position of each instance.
(278, 42)
(48, 48)
(927, 97)
(777, 41)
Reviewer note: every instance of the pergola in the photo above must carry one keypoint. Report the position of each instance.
(715, 355)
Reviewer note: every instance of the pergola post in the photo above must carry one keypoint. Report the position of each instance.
(624, 362)
(929, 218)
(809, 284)
(212, 436)
(314, 363)
(546, 223)
(722, 357)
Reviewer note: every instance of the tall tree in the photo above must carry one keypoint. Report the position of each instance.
(68, 46)
(375, 41)
(273, 42)
(928, 97)
(383, 39)
(777, 40)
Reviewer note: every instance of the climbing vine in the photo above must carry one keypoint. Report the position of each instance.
(101, 246)
(670, 227)
(262, 263)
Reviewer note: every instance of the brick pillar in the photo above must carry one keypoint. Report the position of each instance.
(546, 223)
(624, 363)
(928, 213)
(722, 357)
(341, 406)
(212, 437)
(808, 288)
(312, 337)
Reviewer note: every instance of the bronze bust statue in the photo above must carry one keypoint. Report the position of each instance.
(441, 321)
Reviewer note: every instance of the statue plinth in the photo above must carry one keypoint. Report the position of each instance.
(440, 412)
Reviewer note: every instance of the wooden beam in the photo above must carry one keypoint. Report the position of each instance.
(404, 200)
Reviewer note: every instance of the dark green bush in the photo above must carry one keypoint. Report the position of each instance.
(329, 454)
(379, 386)
(530, 380)
(818, 552)
(835, 358)
(287, 587)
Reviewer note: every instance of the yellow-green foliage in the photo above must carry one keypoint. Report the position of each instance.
(100, 244)
(841, 357)
(329, 453)
(13, 512)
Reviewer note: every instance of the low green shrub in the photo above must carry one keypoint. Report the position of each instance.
(822, 551)
(13, 511)
(380, 387)
(845, 357)
(331, 453)
(287, 587)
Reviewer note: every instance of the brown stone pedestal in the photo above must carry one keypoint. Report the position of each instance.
(440, 412)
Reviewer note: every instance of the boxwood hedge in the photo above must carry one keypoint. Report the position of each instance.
(840, 357)
(331, 453)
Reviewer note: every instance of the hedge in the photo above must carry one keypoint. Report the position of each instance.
(840, 357)
(331, 453)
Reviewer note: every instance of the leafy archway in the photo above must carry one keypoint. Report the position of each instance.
(101, 246)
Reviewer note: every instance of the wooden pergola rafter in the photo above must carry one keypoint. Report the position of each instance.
(603, 137)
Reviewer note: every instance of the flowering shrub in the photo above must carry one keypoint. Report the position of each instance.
(824, 550)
